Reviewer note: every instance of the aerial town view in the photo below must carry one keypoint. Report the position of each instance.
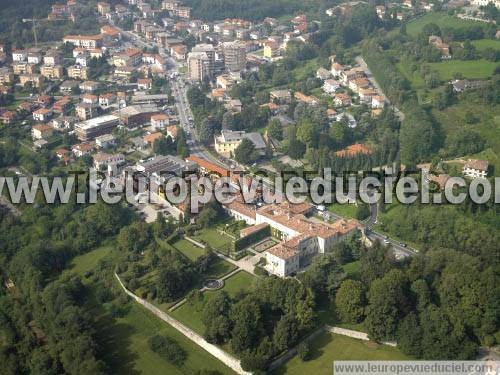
(207, 187)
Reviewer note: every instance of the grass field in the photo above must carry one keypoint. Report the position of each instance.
(415, 78)
(190, 316)
(213, 238)
(190, 250)
(483, 44)
(439, 18)
(352, 269)
(473, 69)
(488, 125)
(237, 283)
(219, 269)
(328, 347)
(344, 210)
(124, 340)
(88, 262)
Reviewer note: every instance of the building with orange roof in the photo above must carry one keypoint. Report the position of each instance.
(208, 167)
(172, 131)
(150, 139)
(355, 149)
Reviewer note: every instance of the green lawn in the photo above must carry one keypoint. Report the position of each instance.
(190, 250)
(191, 316)
(488, 124)
(305, 70)
(328, 347)
(439, 18)
(473, 69)
(344, 210)
(483, 44)
(414, 77)
(123, 340)
(237, 283)
(213, 238)
(352, 269)
(88, 262)
(218, 269)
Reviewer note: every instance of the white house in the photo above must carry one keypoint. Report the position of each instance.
(19, 55)
(330, 86)
(476, 168)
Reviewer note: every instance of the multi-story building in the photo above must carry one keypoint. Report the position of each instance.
(84, 41)
(90, 129)
(210, 52)
(78, 72)
(235, 56)
(52, 57)
(103, 8)
(228, 141)
(199, 66)
(86, 111)
(19, 55)
(6, 76)
(23, 68)
(52, 71)
(35, 79)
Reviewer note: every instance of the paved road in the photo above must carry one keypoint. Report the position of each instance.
(361, 62)
(230, 361)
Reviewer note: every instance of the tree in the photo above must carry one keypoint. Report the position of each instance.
(206, 217)
(304, 351)
(274, 129)
(207, 130)
(246, 153)
(168, 349)
(286, 333)
(350, 301)
(388, 302)
(164, 146)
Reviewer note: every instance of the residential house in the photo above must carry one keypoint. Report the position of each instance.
(19, 55)
(103, 161)
(82, 149)
(474, 168)
(62, 105)
(68, 86)
(35, 79)
(144, 83)
(86, 111)
(105, 100)
(52, 57)
(227, 142)
(342, 100)
(90, 99)
(323, 74)
(52, 71)
(78, 72)
(42, 114)
(280, 96)
(34, 58)
(150, 139)
(159, 121)
(89, 86)
(85, 41)
(330, 86)
(42, 131)
(105, 140)
(7, 117)
(172, 131)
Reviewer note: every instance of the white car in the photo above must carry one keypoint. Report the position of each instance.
(387, 242)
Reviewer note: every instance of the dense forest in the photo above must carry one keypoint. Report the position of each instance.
(17, 33)
(252, 10)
